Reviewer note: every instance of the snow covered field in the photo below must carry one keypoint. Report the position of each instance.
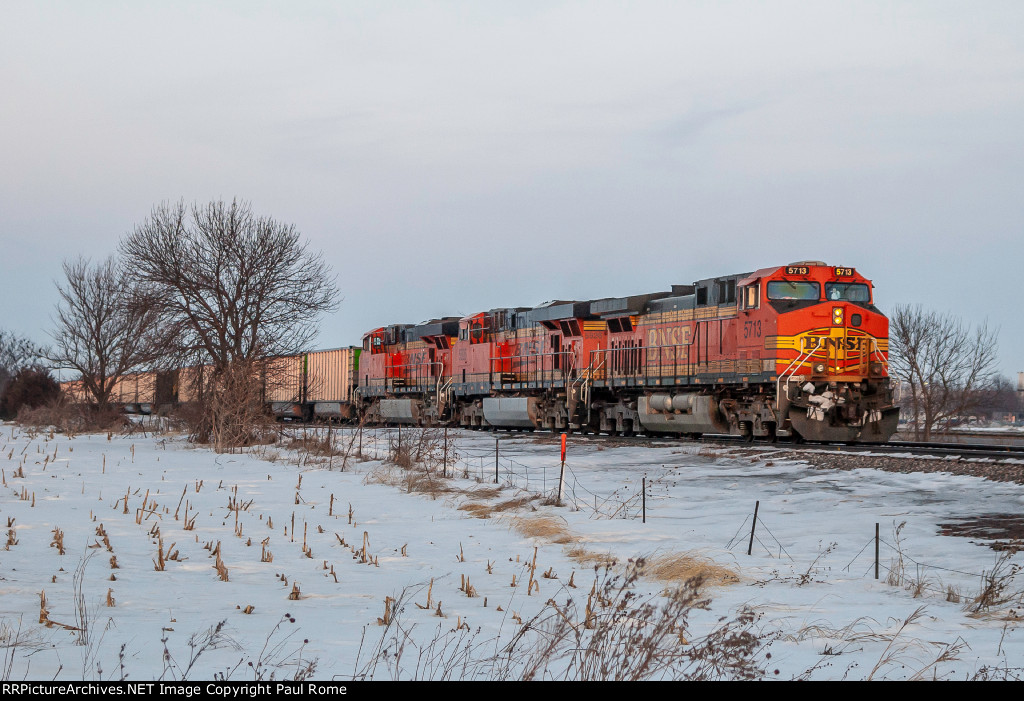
(308, 555)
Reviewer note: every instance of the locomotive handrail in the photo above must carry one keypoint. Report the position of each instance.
(642, 366)
(415, 377)
(797, 361)
(565, 369)
(885, 363)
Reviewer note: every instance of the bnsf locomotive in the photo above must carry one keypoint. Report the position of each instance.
(798, 350)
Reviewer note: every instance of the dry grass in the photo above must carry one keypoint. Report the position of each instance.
(516, 503)
(410, 480)
(476, 509)
(679, 567)
(547, 527)
(483, 492)
(589, 557)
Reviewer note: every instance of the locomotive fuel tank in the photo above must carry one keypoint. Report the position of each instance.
(686, 412)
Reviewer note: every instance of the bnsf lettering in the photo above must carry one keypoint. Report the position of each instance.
(676, 336)
(528, 348)
(416, 357)
(848, 344)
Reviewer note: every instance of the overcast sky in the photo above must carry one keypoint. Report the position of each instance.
(450, 157)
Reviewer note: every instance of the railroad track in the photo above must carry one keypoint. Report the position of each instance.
(938, 450)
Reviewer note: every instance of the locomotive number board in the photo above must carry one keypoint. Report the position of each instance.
(843, 272)
(797, 270)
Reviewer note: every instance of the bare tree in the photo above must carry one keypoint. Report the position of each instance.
(1001, 399)
(948, 366)
(17, 353)
(106, 326)
(238, 288)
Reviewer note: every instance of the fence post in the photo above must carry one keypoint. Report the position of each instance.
(495, 460)
(561, 473)
(643, 499)
(876, 551)
(444, 465)
(750, 548)
(330, 446)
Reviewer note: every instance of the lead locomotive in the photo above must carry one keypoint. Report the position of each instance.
(796, 350)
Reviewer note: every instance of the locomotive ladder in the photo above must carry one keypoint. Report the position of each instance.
(584, 381)
(792, 368)
(444, 391)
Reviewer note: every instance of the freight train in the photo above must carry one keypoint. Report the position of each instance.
(797, 350)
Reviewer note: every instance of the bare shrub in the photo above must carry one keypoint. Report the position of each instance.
(235, 414)
(412, 481)
(897, 573)
(901, 653)
(998, 586)
(417, 446)
(65, 417)
(16, 353)
(621, 636)
(314, 445)
(28, 389)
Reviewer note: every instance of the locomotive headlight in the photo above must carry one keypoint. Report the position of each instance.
(818, 368)
(876, 369)
(837, 316)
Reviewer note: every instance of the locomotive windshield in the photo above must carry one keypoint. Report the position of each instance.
(792, 289)
(848, 291)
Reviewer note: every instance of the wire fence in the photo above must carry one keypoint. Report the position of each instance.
(890, 561)
(451, 456)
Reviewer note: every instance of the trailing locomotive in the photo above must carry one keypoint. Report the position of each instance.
(797, 350)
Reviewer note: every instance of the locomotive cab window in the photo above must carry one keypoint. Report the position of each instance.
(793, 289)
(847, 291)
(749, 297)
